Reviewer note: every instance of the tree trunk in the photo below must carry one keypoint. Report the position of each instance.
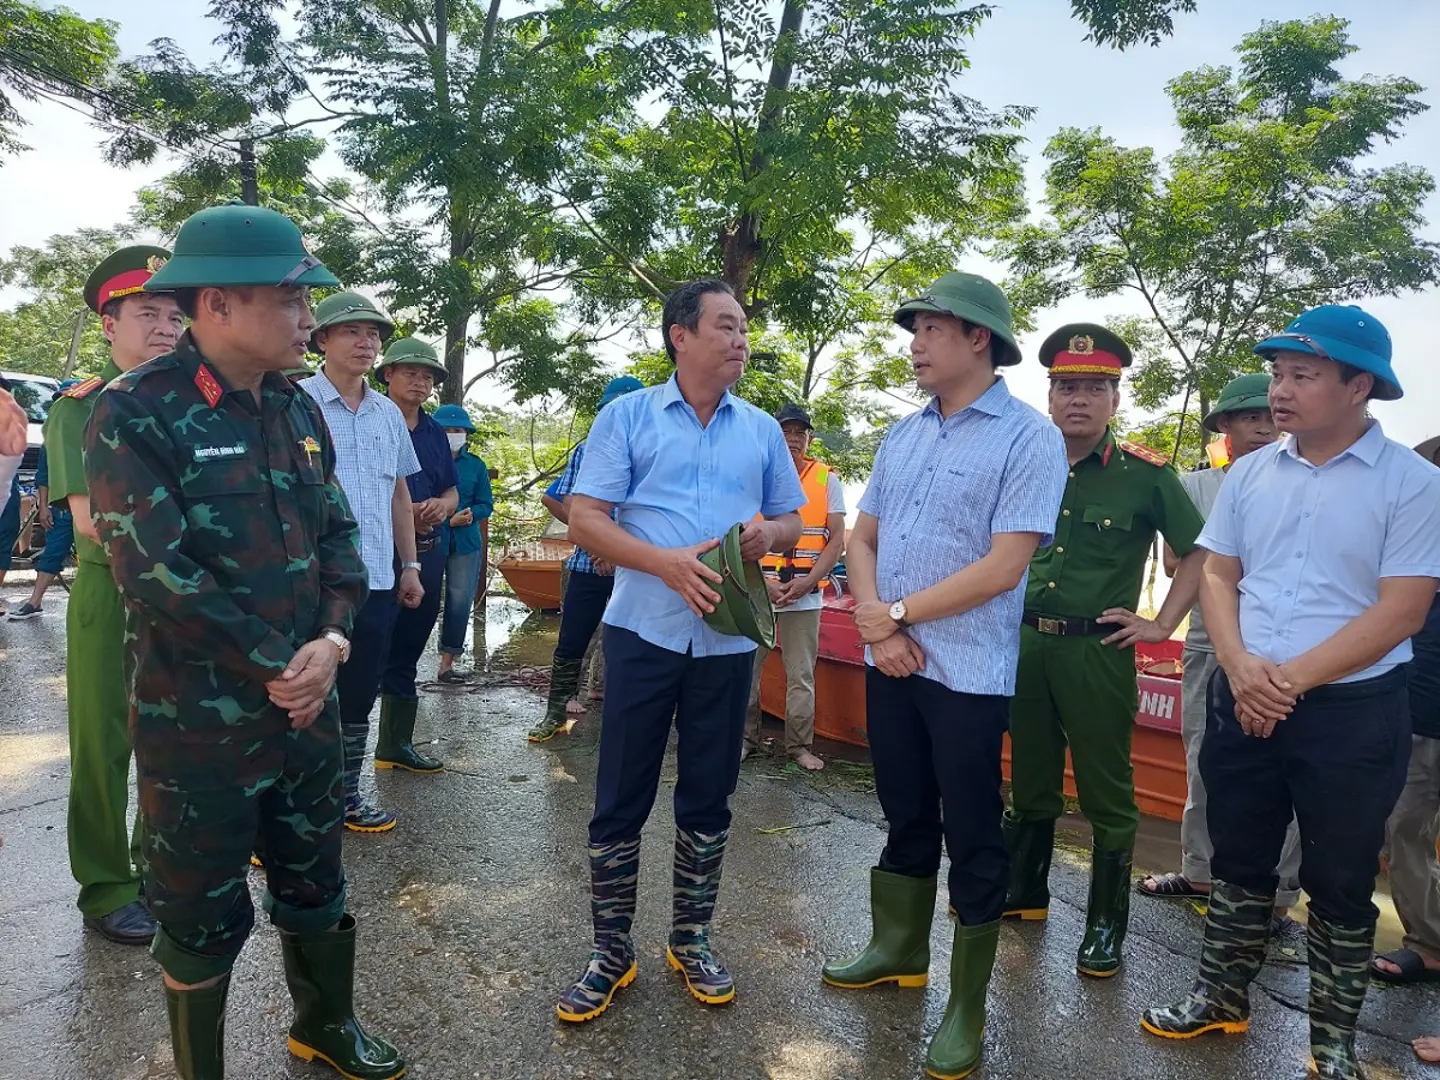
(249, 181)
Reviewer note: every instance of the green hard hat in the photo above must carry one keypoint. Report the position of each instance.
(237, 244)
(744, 609)
(1246, 392)
(410, 350)
(975, 299)
(348, 307)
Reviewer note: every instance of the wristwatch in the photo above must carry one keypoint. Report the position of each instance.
(409, 566)
(898, 612)
(340, 641)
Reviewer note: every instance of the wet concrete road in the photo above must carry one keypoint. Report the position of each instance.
(473, 914)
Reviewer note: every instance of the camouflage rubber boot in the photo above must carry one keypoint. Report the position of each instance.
(564, 681)
(395, 745)
(1237, 927)
(320, 971)
(1031, 845)
(1107, 915)
(698, 861)
(614, 872)
(901, 911)
(955, 1050)
(197, 1030)
(1339, 975)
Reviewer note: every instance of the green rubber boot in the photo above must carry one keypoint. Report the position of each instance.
(1031, 844)
(320, 971)
(197, 1030)
(1107, 916)
(955, 1050)
(1237, 926)
(1339, 976)
(901, 910)
(395, 745)
(564, 682)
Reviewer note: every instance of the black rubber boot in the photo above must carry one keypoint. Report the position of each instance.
(320, 971)
(1031, 844)
(1107, 916)
(564, 682)
(197, 1030)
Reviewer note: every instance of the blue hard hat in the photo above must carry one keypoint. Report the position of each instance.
(619, 387)
(453, 416)
(1340, 332)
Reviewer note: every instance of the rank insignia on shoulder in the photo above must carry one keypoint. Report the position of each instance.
(84, 389)
(208, 386)
(1144, 453)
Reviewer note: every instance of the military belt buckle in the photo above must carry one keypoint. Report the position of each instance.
(1050, 626)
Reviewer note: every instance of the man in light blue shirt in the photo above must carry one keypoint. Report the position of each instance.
(1324, 558)
(682, 462)
(961, 495)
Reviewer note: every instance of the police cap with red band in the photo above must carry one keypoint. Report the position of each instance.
(123, 274)
(1084, 351)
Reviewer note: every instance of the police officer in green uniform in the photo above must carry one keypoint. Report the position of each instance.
(1075, 683)
(104, 852)
(212, 486)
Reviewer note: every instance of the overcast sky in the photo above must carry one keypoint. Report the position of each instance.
(1030, 53)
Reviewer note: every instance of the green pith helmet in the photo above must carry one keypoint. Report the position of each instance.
(744, 609)
(409, 350)
(236, 245)
(1240, 395)
(123, 273)
(348, 307)
(974, 299)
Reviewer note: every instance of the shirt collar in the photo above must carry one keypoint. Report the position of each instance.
(993, 402)
(1105, 448)
(1367, 448)
(329, 392)
(670, 394)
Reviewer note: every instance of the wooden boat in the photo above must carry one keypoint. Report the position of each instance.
(534, 572)
(1157, 752)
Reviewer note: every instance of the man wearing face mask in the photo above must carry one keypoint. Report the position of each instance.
(104, 852)
(411, 371)
(374, 458)
(1076, 681)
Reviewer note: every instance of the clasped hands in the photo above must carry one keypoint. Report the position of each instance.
(894, 652)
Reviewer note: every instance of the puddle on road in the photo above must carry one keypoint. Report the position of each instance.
(511, 636)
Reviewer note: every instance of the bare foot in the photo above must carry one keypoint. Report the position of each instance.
(806, 760)
(447, 662)
(1428, 1049)
(596, 695)
(573, 707)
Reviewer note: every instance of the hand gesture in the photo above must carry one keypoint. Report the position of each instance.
(755, 541)
(683, 571)
(1133, 628)
(873, 620)
(408, 591)
(302, 688)
(462, 518)
(1263, 693)
(45, 517)
(898, 656)
(603, 568)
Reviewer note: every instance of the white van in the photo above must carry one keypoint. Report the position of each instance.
(34, 393)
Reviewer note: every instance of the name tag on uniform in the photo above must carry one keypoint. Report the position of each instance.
(210, 453)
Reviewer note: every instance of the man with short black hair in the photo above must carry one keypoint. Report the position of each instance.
(1324, 553)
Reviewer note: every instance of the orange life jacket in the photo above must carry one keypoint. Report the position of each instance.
(815, 480)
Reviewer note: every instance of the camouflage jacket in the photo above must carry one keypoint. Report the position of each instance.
(227, 533)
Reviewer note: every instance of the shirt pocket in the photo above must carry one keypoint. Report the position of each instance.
(963, 497)
(1115, 529)
(221, 500)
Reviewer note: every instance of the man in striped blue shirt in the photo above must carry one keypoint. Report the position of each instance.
(962, 494)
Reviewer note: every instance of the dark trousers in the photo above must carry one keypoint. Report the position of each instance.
(585, 598)
(1337, 764)
(357, 681)
(646, 686)
(414, 625)
(59, 542)
(937, 774)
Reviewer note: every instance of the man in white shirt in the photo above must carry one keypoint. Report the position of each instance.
(796, 579)
(1324, 558)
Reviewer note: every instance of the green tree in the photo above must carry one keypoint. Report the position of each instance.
(48, 53)
(35, 334)
(1267, 208)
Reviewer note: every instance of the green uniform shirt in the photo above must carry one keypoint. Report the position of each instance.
(1114, 502)
(65, 454)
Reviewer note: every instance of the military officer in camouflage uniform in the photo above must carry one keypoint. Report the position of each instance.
(212, 485)
(105, 854)
(1075, 684)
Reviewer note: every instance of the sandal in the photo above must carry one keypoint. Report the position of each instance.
(452, 677)
(1412, 968)
(1170, 886)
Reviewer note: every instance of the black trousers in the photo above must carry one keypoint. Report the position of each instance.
(1337, 764)
(357, 681)
(585, 598)
(937, 774)
(645, 687)
(413, 626)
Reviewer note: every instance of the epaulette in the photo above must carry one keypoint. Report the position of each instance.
(84, 389)
(1144, 453)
